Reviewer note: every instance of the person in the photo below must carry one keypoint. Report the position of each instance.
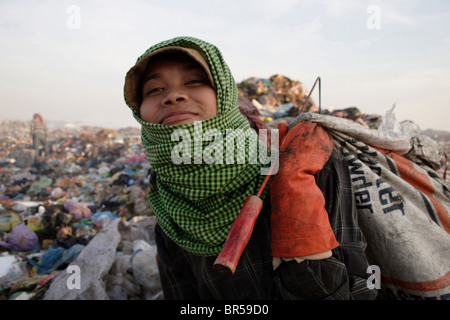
(182, 87)
(39, 134)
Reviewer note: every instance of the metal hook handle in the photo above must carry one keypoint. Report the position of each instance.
(309, 96)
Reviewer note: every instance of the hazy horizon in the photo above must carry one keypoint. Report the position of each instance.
(67, 59)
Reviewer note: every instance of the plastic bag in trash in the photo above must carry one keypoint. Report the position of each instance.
(5, 264)
(21, 238)
(8, 223)
(389, 122)
(49, 260)
(56, 258)
(102, 218)
(79, 210)
(16, 271)
(145, 269)
(39, 186)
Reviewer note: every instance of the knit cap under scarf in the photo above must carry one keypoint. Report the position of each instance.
(196, 204)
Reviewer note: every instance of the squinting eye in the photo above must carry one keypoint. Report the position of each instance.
(196, 81)
(153, 91)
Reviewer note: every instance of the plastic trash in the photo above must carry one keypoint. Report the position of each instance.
(145, 269)
(21, 238)
(283, 110)
(5, 224)
(383, 138)
(114, 265)
(426, 151)
(389, 122)
(102, 218)
(56, 258)
(39, 186)
(16, 271)
(94, 263)
(35, 223)
(9, 222)
(79, 210)
(6, 263)
(57, 193)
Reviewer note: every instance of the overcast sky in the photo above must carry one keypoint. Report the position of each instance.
(67, 59)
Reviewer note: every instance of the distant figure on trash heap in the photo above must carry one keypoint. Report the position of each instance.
(39, 134)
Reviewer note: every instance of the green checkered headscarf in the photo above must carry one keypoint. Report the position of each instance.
(196, 204)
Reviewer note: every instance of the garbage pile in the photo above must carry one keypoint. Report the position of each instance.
(76, 223)
(52, 209)
(279, 98)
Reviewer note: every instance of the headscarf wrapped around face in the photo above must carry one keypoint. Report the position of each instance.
(196, 204)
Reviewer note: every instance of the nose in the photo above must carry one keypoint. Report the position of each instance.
(174, 97)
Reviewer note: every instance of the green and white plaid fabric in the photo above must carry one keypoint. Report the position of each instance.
(196, 204)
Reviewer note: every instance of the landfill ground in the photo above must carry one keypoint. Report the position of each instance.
(76, 223)
(52, 207)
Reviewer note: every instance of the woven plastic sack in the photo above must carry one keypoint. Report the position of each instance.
(403, 210)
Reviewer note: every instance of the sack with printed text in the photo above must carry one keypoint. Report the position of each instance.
(403, 207)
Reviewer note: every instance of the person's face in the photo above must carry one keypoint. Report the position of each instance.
(176, 90)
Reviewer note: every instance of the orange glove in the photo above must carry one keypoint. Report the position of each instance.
(300, 223)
